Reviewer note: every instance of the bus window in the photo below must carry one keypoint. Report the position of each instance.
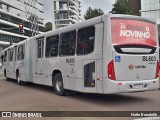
(15, 50)
(11, 55)
(67, 44)
(40, 44)
(85, 43)
(52, 46)
(39, 48)
(20, 55)
(5, 56)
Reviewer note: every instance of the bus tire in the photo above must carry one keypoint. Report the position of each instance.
(58, 85)
(18, 79)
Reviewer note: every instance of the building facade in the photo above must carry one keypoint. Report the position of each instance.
(151, 9)
(16, 12)
(135, 6)
(65, 12)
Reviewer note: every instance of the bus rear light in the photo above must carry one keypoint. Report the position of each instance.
(111, 72)
(157, 70)
(119, 84)
(98, 79)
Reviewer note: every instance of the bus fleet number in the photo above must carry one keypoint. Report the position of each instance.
(149, 58)
(70, 60)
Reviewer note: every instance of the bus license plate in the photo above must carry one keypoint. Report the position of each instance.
(138, 86)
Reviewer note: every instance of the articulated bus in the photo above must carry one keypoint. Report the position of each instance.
(108, 54)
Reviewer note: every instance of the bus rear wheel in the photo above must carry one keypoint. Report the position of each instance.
(58, 84)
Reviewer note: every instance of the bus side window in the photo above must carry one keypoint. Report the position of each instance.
(11, 55)
(5, 56)
(40, 45)
(22, 52)
(67, 44)
(15, 50)
(20, 55)
(52, 46)
(85, 42)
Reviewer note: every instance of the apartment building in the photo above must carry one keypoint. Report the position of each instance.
(16, 12)
(65, 12)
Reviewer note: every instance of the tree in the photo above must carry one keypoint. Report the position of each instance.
(91, 13)
(121, 7)
(48, 26)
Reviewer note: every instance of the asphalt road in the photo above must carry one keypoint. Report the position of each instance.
(33, 97)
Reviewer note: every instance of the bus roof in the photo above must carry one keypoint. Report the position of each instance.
(84, 24)
(132, 17)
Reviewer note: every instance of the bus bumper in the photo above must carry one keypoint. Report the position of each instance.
(130, 86)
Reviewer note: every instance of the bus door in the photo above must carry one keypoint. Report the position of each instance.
(5, 60)
(39, 61)
(20, 61)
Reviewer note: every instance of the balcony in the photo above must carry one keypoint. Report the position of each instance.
(74, 12)
(74, 17)
(14, 21)
(73, 21)
(12, 4)
(74, 8)
(74, 3)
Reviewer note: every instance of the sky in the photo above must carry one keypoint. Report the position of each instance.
(105, 5)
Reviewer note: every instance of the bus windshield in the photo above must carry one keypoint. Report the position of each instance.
(133, 32)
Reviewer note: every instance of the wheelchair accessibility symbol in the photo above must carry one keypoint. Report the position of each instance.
(117, 58)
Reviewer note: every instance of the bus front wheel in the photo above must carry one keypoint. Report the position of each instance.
(58, 84)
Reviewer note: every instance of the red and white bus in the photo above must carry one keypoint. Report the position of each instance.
(108, 54)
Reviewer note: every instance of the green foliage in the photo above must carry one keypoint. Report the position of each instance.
(91, 13)
(48, 26)
(121, 7)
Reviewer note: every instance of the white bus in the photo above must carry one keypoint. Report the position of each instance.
(108, 54)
